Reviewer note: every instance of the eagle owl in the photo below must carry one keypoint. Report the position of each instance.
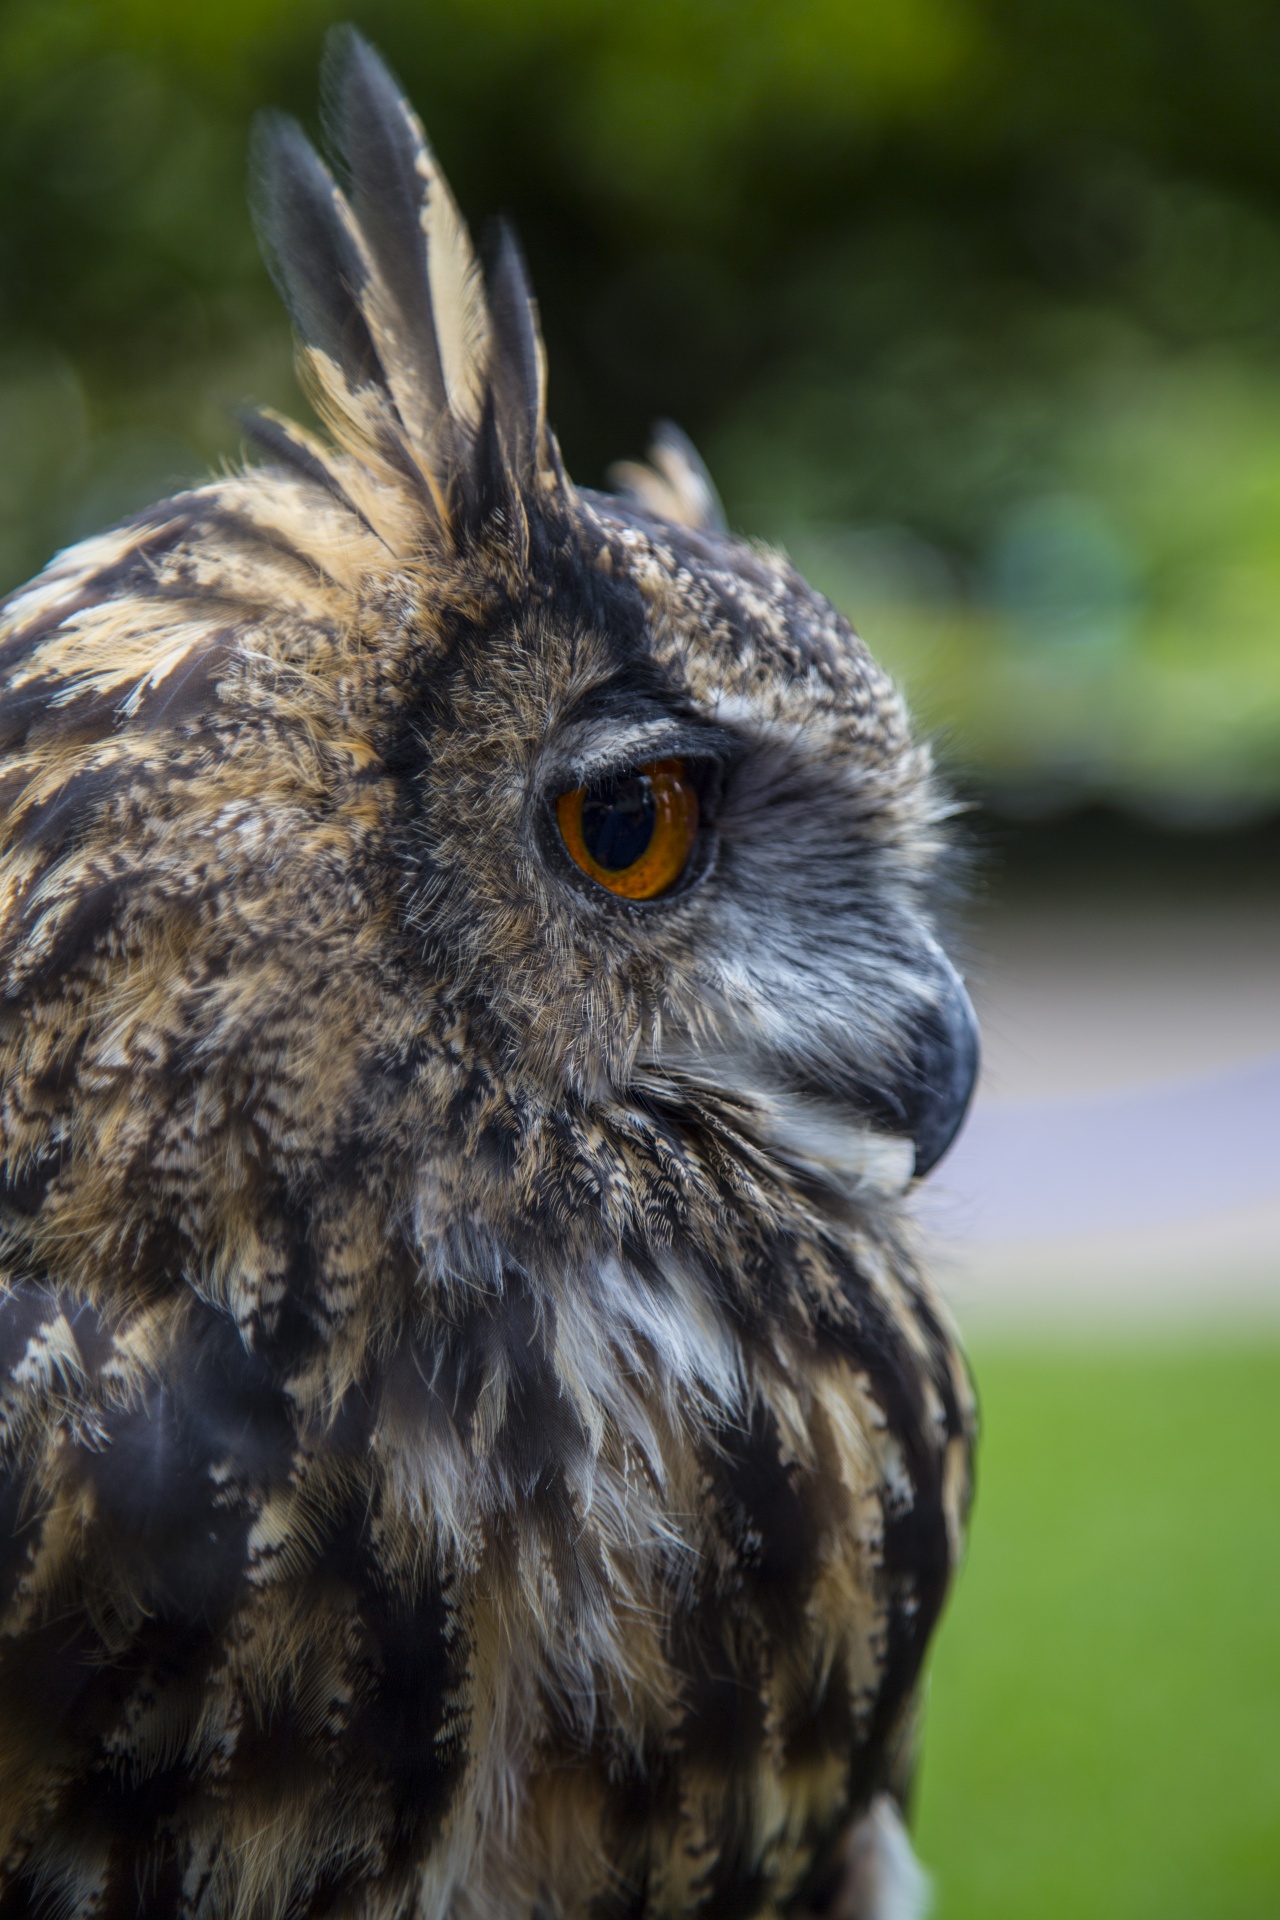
(476, 1441)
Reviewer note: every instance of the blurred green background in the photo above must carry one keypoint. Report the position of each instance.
(975, 306)
(1101, 1735)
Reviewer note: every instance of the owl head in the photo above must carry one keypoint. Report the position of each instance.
(396, 820)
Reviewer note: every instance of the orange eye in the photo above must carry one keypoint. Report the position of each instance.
(633, 833)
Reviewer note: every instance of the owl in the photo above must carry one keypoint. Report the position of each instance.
(475, 1440)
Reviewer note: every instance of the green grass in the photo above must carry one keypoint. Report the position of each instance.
(1103, 1734)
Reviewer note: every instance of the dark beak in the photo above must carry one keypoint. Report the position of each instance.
(929, 1101)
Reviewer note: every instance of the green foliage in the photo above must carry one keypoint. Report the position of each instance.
(974, 305)
(1101, 1728)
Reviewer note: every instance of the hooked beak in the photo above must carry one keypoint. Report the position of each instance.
(929, 1101)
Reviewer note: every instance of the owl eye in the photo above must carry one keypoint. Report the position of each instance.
(633, 832)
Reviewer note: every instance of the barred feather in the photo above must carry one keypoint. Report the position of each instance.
(474, 1438)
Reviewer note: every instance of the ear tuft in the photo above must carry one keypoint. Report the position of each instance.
(674, 485)
(419, 373)
(308, 250)
(519, 375)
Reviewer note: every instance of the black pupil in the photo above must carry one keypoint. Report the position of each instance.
(618, 818)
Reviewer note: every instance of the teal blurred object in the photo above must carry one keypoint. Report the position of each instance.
(974, 306)
(1101, 1728)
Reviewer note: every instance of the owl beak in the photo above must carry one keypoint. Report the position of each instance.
(931, 1099)
(947, 1054)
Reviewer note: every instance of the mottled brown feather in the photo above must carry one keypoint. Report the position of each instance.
(467, 1448)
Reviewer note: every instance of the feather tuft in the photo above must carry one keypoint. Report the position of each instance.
(309, 251)
(416, 367)
(674, 485)
(519, 364)
(376, 135)
(285, 442)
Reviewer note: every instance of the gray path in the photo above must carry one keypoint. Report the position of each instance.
(1123, 1157)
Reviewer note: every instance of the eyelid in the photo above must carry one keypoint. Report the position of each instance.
(621, 748)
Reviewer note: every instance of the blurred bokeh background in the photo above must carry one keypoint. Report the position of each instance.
(974, 305)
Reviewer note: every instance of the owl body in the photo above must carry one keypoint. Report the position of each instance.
(474, 1437)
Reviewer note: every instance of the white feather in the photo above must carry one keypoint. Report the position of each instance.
(884, 1881)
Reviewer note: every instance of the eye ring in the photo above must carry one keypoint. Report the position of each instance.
(633, 834)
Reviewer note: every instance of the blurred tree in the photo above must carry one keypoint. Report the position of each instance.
(974, 304)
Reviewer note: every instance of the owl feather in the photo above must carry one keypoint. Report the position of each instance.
(475, 1437)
